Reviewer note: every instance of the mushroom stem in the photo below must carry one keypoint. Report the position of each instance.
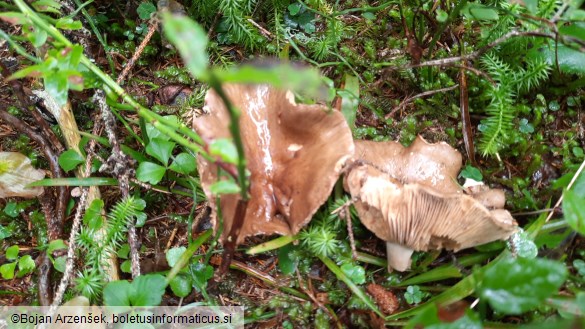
(398, 257)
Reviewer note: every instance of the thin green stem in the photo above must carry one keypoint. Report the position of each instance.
(234, 127)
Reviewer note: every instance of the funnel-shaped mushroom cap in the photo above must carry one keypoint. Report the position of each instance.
(433, 165)
(294, 154)
(417, 217)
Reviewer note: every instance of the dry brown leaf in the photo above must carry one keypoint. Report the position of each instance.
(16, 171)
(385, 299)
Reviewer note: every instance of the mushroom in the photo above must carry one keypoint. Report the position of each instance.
(409, 198)
(294, 154)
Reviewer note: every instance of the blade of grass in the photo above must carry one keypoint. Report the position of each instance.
(73, 181)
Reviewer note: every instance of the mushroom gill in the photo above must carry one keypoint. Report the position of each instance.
(294, 154)
(423, 212)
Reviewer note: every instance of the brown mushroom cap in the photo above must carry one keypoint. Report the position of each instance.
(294, 154)
(434, 165)
(423, 212)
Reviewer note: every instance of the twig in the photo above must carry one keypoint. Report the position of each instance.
(264, 31)
(119, 165)
(151, 29)
(423, 94)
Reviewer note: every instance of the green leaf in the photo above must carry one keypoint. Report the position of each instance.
(150, 172)
(5, 232)
(147, 290)
(305, 81)
(123, 251)
(350, 99)
(356, 273)
(68, 23)
(287, 259)
(57, 85)
(56, 245)
(526, 127)
(89, 181)
(25, 265)
(531, 5)
(200, 274)
(174, 254)
(480, 12)
(181, 285)
(12, 252)
(14, 18)
(517, 285)
(224, 187)
(523, 245)
(570, 60)
(472, 173)
(47, 6)
(413, 295)
(126, 266)
(12, 209)
(7, 270)
(93, 215)
(225, 149)
(442, 16)
(117, 293)
(70, 159)
(160, 149)
(184, 163)
(190, 40)
(145, 9)
(429, 318)
(579, 265)
(574, 211)
(294, 8)
(59, 263)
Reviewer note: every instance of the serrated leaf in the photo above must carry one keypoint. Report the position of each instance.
(174, 254)
(150, 172)
(160, 149)
(574, 211)
(225, 149)
(224, 187)
(517, 285)
(184, 163)
(70, 159)
(145, 9)
(190, 40)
